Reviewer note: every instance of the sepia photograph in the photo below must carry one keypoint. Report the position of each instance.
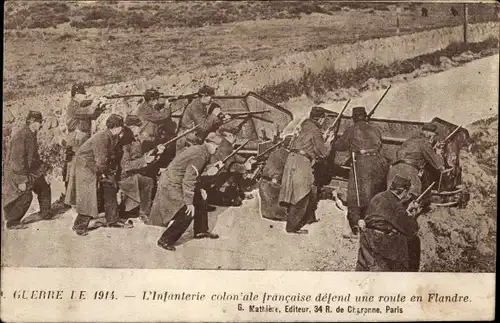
(294, 136)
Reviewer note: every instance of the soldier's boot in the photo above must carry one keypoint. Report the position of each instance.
(81, 224)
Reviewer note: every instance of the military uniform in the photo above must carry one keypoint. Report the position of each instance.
(365, 140)
(153, 119)
(137, 188)
(195, 114)
(298, 192)
(178, 188)
(412, 157)
(24, 166)
(270, 185)
(383, 245)
(94, 182)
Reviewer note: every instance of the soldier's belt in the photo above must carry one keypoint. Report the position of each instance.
(303, 153)
(388, 232)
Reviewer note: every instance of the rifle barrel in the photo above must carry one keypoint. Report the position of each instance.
(235, 151)
(425, 192)
(376, 105)
(269, 149)
(452, 133)
(235, 114)
(337, 119)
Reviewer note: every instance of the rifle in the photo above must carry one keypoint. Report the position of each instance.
(425, 192)
(163, 96)
(155, 150)
(355, 176)
(235, 115)
(448, 138)
(223, 162)
(337, 119)
(259, 168)
(370, 114)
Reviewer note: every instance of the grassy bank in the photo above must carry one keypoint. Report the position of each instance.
(316, 85)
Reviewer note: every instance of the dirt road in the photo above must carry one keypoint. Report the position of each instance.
(247, 241)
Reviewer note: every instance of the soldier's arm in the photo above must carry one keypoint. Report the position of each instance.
(85, 110)
(189, 181)
(210, 123)
(152, 115)
(431, 157)
(321, 148)
(17, 160)
(343, 142)
(132, 160)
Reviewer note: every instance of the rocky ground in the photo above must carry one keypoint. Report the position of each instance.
(453, 239)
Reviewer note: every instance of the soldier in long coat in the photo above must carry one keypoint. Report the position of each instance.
(24, 174)
(270, 185)
(412, 158)
(179, 198)
(298, 192)
(80, 114)
(94, 181)
(383, 244)
(199, 112)
(136, 188)
(365, 141)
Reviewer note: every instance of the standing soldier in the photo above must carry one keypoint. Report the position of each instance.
(412, 158)
(200, 112)
(298, 192)
(136, 189)
(79, 118)
(24, 174)
(270, 185)
(179, 199)
(94, 181)
(387, 226)
(367, 176)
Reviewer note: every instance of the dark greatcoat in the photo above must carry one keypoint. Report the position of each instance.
(91, 160)
(268, 191)
(371, 170)
(383, 245)
(298, 175)
(176, 186)
(136, 187)
(412, 157)
(23, 164)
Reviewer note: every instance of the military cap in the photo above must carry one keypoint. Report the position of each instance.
(429, 127)
(213, 137)
(400, 182)
(114, 121)
(358, 111)
(34, 115)
(78, 88)
(206, 90)
(151, 94)
(316, 113)
(133, 120)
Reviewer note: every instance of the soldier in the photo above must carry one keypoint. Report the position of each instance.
(154, 115)
(413, 156)
(226, 187)
(179, 198)
(270, 185)
(136, 189)
(200, 112)
(298, 192)
(24, 174)
(94, 181)
(385, 230)
(79, 118)
(369, 177)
